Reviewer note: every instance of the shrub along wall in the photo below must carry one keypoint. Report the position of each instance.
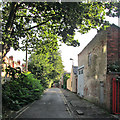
(21, 90)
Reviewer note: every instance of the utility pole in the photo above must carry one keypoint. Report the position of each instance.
(72, 61)
(26, 67)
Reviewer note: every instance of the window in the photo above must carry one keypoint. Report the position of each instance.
(89, 59)
(80, 71)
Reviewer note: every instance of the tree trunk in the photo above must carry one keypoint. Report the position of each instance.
(26, 69)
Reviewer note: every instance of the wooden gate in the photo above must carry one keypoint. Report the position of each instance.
(116, 95)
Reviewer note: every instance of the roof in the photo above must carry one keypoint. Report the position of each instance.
(112, 25)
(75, 69)
(66, 73)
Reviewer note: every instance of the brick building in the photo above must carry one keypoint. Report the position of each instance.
(12, 63)
(94, 79)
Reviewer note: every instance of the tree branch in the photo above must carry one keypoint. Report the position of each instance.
(36, 25)
(28, 16)
(14, 7)
(11, 15)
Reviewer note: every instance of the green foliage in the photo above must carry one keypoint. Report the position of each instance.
(46, 66)
(66, 76)
(21, 90)
(13, 72)
(33, 20)
(114, 67)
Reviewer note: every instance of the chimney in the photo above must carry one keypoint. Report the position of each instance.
(18, 62)
(11, 57)
(13, 64)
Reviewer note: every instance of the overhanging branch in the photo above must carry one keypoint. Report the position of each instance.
(36, 25)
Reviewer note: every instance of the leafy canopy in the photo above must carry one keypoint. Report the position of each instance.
(33, 19)
(46, 63)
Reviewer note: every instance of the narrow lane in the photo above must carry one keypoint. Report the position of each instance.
(51, 105)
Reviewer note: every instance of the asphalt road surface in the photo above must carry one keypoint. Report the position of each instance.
(51, 105)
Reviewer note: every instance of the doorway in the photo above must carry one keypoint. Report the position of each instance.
(80, 87)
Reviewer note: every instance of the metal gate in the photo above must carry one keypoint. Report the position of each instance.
(116, 95)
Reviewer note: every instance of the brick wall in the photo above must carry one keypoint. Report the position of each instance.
(108, 90)
(113, 44)
(12, 63)
(113, 55)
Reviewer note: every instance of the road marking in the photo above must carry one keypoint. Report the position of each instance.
(32, 103)
(65, 102)
(24, 107)
(21, 112)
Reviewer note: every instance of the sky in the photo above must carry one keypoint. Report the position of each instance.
(67, 52)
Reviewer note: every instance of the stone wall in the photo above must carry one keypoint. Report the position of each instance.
(74, 80)
(69, 84)
(94, 59)
(103, 49)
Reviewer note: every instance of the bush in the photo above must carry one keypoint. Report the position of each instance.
(114, 67)
(20, 91)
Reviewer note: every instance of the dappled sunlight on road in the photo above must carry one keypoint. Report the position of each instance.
(53, 90)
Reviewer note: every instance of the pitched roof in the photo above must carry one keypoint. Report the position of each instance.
(66, 73)
(112, 25)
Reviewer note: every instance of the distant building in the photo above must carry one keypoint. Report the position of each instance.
(63, 80)
(72, 81)
(94, 79)
(9, 62)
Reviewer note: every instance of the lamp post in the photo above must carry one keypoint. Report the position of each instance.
(1, 5)
(72, 61)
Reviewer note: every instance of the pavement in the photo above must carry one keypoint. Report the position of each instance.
(85, 110)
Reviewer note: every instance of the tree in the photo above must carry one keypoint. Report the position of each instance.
(23, 18)
(46, 64)
(66, 76)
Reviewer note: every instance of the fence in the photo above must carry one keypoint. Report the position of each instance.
(116, 95)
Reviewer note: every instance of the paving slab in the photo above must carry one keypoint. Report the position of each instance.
(79, 112)
(85, 109)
